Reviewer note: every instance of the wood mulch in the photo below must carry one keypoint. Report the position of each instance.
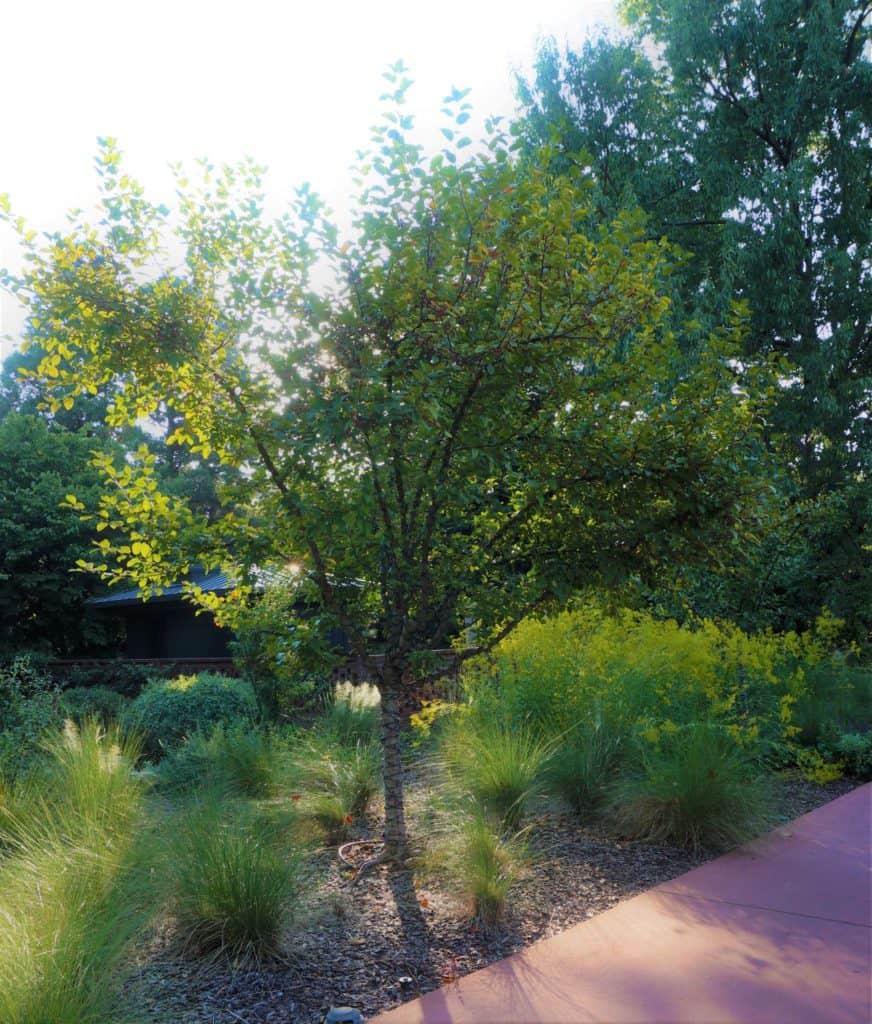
(383, 941)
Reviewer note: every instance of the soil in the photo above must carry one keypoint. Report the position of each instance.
(388, 939)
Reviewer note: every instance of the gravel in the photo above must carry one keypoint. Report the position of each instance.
(359, 942)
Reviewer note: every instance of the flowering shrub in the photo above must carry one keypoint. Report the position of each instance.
(633, 674)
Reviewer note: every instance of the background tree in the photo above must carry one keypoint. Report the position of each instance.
(483, 411)
(42, 601)
(46, 455)
(743, 132)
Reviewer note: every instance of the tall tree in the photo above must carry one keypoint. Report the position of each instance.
(42, 599)
(484, 411)
(743, 130)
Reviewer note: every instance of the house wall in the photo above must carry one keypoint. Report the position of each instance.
(173, 630)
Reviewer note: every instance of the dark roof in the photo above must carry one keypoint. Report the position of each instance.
(215, 582)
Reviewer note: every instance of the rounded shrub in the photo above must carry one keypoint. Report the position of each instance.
(99, 702)
(855, 752)
(169, 710)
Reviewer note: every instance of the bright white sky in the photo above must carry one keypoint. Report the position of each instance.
(294, 85)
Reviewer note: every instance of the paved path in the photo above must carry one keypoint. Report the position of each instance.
(776, 932)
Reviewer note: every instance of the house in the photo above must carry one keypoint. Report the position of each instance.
(167, 626)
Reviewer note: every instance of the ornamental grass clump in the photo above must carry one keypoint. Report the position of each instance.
(338, 784)
(481, 863)
(584, 766)
(75, 886)
(353, 715)
(696, 787)
(240, 760)
(89, 783)
(500, 766)
(237, 883)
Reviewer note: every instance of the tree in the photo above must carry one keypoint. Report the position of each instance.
(42, 600)
(483, 410)
(44, 456)
(742, 130)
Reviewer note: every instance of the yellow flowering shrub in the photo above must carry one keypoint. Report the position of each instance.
(648, 677)
(423, 720)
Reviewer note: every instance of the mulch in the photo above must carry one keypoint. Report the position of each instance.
(384, 940)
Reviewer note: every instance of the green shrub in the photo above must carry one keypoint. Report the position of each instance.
(99, 702)
(237, 885)
(583, 767)
(499, 765)
(29, 710)
(238, 760)
(122, 676)
(837, 699)
(354, 714)
(286, 656)
(75, 887)
(855, 752)
(695, 787)
(169, 710)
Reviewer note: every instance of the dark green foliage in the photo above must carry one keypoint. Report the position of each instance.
(42, 602)
(837, 700)
(81, 702)
(286, 654)
(169, 710)
(237, 884)
(854, 750)
(696, 787)
(237, 760)
(29, 708)
(125, 677)
(746, 142)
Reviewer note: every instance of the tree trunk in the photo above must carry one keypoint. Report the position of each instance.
(396, 838)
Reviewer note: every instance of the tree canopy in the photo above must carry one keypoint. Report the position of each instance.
(475, 403)
(42, 606)
(743, 131)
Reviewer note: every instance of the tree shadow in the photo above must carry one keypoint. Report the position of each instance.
(416, 933)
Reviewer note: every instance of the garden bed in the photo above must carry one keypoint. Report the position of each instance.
(360, 941)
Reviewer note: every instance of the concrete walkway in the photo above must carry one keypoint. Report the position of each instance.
(776, 932)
